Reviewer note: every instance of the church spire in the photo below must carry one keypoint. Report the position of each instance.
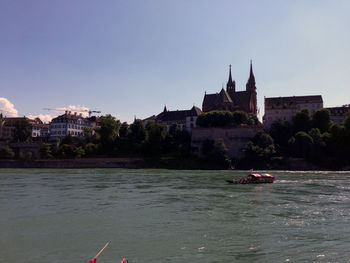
(251, 81)
(230, 76)
(231, 84)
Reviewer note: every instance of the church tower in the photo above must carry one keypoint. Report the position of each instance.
(231, 85)
(251, 81)
(250, 86)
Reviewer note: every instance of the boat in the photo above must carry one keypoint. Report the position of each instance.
(253, 179)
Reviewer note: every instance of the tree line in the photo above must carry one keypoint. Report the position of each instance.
(312, 137)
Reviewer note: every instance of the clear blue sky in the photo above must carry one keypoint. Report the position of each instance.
(131, 58)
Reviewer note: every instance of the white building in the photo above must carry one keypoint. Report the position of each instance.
(338, 114)
(185, 119)
(7, 128)
(73, 124)
(286, 107)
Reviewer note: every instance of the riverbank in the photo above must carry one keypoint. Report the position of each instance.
(292, 164)
(76, 163)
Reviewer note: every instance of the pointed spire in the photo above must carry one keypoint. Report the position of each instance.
(231, 85)
(230, 76)
(251, 81)
(251, 74)
(165, 109)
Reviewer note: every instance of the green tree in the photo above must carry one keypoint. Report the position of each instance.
(281, 131)
(347, 123)
(262, 139)
(302, 144)
(23, 130)
(45, 151)
(224, 119)
(6, 153)
(137, 133)
(215, 152)
(91, 149)
(322, 120)
(260, 148)
(70, 151)
(124, 130)
(240, 117)
(108, 131)
(302, 121)
(156, 133)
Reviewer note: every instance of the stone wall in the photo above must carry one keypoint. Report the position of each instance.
(235, 139)
(76, 163)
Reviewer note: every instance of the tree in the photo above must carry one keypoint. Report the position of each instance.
(240, 117)
(45, 151)
(262, 139)
(156, 133)
(215, 153)
(302, 121)
(124, 130)
(301, 144)
(281, 131)
(6, 153)
(224, 119)
(108, 131)
(70, 151)
(322, 120)
(260, 148)
(347, 123)
(91, 149)
(23, 130)
(137, 132)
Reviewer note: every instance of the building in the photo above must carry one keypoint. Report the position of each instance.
(286, 107)
(232, 100)
(7, 128)
(73, 124)
(338, 114)
(185, 119)
(39, 129)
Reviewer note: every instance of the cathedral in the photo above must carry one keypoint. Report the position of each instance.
(233, 100)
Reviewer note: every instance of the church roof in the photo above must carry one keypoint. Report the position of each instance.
(178, 114)
(241, 97)
(224, 97)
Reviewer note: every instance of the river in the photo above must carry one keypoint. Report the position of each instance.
(160, 216)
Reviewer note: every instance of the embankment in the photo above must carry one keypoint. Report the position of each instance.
(76, 163)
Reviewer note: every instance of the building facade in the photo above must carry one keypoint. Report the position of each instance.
(338, 114)
(7, 128)
(285, 107)
(73, 124)
(185, 119)
(232, 100)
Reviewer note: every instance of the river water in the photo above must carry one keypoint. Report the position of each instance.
(172, 216)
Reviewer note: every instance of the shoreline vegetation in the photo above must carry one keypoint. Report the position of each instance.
(307, 143)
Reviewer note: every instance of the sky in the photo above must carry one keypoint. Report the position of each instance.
(130, 58)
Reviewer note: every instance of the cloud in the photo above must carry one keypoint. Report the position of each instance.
(7, 108)
(78, 109)
(54, 112)
(46, 118)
